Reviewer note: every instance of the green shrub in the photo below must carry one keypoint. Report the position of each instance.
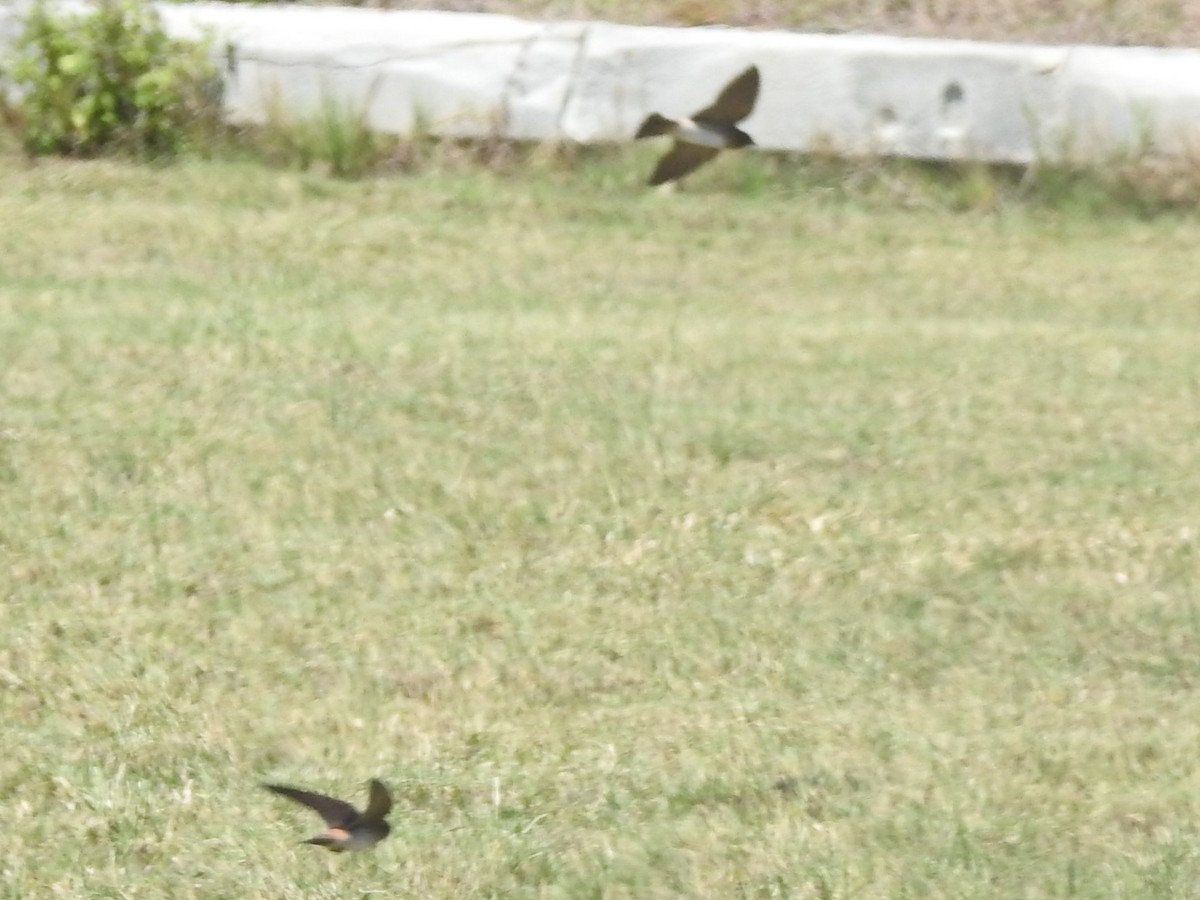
(110, 80)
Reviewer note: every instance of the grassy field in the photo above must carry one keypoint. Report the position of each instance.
(756, 541)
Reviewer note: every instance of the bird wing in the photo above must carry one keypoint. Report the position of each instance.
(336, 813)
(380, 803)
(736, 100)
(681, 159)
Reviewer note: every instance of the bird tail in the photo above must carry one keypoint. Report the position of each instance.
(655, 125)
(324, 840)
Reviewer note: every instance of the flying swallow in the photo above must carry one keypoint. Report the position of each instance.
(348, 829)
(705, 134)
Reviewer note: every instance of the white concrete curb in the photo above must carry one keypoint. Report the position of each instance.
(478, 75)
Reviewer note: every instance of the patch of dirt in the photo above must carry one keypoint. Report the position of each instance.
(1161, 23)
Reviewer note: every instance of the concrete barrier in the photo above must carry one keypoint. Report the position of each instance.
(480, 75)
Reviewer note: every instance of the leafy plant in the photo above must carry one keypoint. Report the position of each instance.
(111, 79)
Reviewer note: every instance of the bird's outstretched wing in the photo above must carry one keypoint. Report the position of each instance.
(380, 803)
(681, 159)
(336, 813)
(736, 100)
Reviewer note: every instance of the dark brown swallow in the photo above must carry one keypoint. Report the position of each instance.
(707, 133)
(348, 829)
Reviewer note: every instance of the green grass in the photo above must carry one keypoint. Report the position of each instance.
(756, 541)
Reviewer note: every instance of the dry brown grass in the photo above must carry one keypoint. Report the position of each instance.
(1152, 22)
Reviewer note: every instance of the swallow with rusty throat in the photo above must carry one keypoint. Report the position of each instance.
(705, 134)
(347, 828)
